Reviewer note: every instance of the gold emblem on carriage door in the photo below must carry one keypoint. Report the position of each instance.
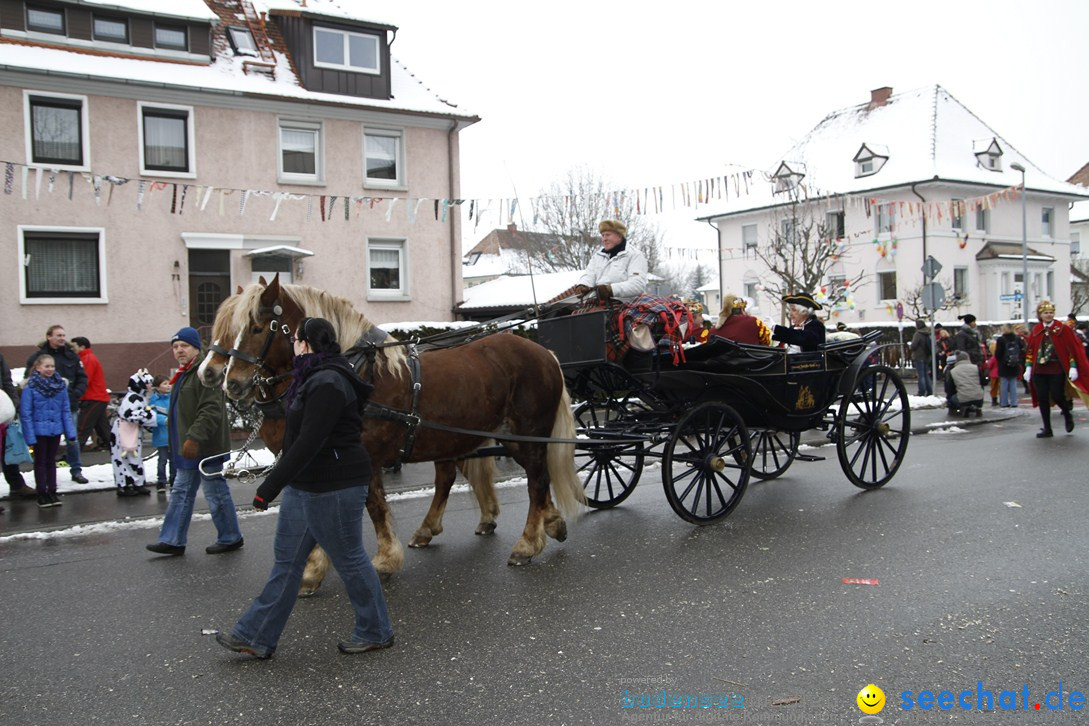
(805, 399)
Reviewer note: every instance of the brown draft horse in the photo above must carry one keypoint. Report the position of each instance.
(480, 471)
(499, 384)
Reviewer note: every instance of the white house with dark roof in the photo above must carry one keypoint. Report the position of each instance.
(157, 154)
(895, 180)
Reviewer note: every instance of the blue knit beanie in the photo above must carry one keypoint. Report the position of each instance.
(187, 335)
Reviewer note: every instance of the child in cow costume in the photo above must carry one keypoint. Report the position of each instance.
(134, 414)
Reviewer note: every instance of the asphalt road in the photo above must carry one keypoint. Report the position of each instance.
(752, 610)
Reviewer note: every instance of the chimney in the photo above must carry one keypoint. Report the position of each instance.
(879, 97)
(512, 227)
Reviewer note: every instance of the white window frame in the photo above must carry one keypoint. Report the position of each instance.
(746, 243)
(85, 131)
(286, 177)
(983, 215)
(956, 215)
(960, 273)
(879, 279)
(885, 222)
(1075, 243)
(346, 66)
(1047, 222)
(24, 297)
(399, 135)
(190, 141)
(400, 245)
(836, 223)
(1049, 282)
(237, 32)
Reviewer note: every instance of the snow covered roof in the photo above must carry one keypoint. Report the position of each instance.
(315, 8)
(188, 9)
(226, 75)
(517, 291)
(927, 134)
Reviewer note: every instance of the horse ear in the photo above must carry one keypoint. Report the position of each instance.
(270, 298)
(238, 291)
(261, 279)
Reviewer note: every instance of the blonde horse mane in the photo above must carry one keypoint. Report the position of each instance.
(223, 329)
(349, 323)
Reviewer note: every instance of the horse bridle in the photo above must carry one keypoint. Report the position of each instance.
(263, 384)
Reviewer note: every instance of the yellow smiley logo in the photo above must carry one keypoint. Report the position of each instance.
(871, 699)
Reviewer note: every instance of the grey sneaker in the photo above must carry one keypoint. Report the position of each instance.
(350, 647)
(228, 641)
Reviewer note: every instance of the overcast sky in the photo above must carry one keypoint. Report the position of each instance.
(649, 94)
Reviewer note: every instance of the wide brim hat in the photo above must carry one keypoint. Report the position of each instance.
(802, 299)
(614, 225)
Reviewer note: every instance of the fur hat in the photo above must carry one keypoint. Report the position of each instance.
(614, 225)
(803, 299)
(187, 335)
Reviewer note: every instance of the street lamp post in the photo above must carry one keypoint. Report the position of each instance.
(1024, 247)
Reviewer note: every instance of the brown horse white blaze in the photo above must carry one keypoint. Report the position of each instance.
(501, 383)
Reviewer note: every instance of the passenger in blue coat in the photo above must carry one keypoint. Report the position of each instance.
(45, 414)
(160, 403)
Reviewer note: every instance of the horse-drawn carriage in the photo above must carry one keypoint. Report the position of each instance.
(727, 412)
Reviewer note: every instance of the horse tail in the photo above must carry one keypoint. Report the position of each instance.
(480, 471)
(561, 462)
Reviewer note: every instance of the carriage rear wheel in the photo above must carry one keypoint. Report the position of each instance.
(609, 472)
(707, 462)
(873, 427)
(773, 452)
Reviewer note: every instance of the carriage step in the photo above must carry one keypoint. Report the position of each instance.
(808, 457)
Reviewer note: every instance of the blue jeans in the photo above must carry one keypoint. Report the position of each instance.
(71, 448)
(333, 520)
(1009, 391)
(922, 370)
(163, 459)
(179, 511)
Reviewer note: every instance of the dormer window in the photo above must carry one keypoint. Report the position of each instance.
(171, 37)
(990, 157)
(346, 51)
(787, 178)
(45, 20)
(869, 159)
(241, 40)
(111, 30)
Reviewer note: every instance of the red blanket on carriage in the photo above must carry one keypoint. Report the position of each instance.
(653, 322)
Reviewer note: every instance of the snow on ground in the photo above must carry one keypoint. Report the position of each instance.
(951, 429)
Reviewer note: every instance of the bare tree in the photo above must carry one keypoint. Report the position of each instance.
(913, 299)
(569, 212)
(801, 251)
(1079, 285)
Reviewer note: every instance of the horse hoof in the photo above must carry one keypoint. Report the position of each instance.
(486, 528)
(385, 577)
(307, 591)
(558, 531)
(418, 541)
(518, 560)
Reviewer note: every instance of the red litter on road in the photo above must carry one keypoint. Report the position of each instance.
(859, 581)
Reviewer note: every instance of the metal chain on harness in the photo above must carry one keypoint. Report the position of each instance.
(232, 470)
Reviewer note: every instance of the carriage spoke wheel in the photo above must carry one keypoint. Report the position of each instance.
(773, 452)
(873, 427)
(609, 472)
(707, 463)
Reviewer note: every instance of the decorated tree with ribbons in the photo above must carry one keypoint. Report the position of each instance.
(801, 251)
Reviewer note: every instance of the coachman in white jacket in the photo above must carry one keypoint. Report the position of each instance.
(616, 270)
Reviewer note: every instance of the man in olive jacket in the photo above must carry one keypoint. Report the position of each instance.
(197, 421)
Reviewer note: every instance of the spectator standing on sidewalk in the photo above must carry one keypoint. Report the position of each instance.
(45, 413)
(69, 367)
(12, 475)
(922, 351)
(94, 412)
(197, 421)
(1010, 353)
(160, 404)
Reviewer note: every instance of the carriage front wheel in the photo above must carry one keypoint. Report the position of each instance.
(773, 452)
(707, 462)
(608, 471)
(873, 426)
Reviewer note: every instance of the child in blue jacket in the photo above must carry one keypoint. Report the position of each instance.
(160, 403)
(45, 414)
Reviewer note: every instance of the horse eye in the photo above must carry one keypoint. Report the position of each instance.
(256, 330)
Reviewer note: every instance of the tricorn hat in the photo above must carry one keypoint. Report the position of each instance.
(614, 225)
(803, 299)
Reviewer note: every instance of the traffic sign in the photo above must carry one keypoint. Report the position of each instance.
(933, 295)
(899, 311)
(1010, 296)
(931, 267)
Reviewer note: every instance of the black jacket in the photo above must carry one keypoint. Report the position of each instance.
(69, 366)
(810, 337)
(323, 450)
(6, 383)
(967, 339)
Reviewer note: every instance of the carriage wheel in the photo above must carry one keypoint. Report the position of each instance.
(873, 427)
(773, 452)
(609, 472)
(711, 449)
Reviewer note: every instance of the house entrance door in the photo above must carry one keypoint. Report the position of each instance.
(209, 285)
